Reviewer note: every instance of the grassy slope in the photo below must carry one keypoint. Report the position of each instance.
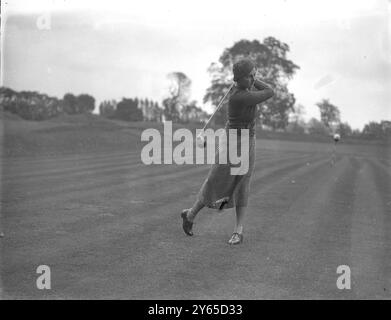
(68, 135)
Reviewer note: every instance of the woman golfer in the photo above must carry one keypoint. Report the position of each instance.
(221, 189)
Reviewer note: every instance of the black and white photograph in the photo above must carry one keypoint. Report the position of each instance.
(195, 150)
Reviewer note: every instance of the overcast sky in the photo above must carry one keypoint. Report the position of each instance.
(343, 47)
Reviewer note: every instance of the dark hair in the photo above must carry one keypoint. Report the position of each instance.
(242, 68)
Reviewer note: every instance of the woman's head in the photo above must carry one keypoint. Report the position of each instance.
(244, 73)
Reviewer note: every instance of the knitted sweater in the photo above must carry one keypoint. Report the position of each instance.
(243, 102)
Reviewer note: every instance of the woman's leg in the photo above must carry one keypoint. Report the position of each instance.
(240, 214)
(237, 236)
(197, 206)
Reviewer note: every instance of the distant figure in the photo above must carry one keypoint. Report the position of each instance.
(221, 190)
(336, 138)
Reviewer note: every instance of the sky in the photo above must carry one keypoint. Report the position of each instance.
(114, 49)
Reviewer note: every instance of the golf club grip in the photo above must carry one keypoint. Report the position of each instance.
(218, 107)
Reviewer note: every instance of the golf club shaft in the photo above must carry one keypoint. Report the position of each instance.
(218, 107)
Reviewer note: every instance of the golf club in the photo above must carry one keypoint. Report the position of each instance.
(218, 106)
(201, 142)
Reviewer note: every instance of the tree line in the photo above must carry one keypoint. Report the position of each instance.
(131, 109)
(32, 105)
(330, 122)
(281, 113)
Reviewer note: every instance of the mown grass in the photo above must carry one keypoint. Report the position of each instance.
(92, 133)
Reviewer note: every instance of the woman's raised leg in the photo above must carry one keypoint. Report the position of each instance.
(193, 211)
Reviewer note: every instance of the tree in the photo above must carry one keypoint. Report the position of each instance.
(30, 105)
(85, 103)
(188, 111)
(69, 103)
(127, 110)
(356, 133)
(6, 93)
(386, 126)
(296, 120)
(192, 113)
(270, 57)
(345, 130)
(276, 113)
(179, 93)
(170, 110)
(297, 114)
(317, 127)
(107, 108)
(156, 112)
(377, 130)
(329, 113)
(295, 127)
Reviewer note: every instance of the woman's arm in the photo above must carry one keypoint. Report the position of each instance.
(249, 98)
(260, 85)
(263, 92)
